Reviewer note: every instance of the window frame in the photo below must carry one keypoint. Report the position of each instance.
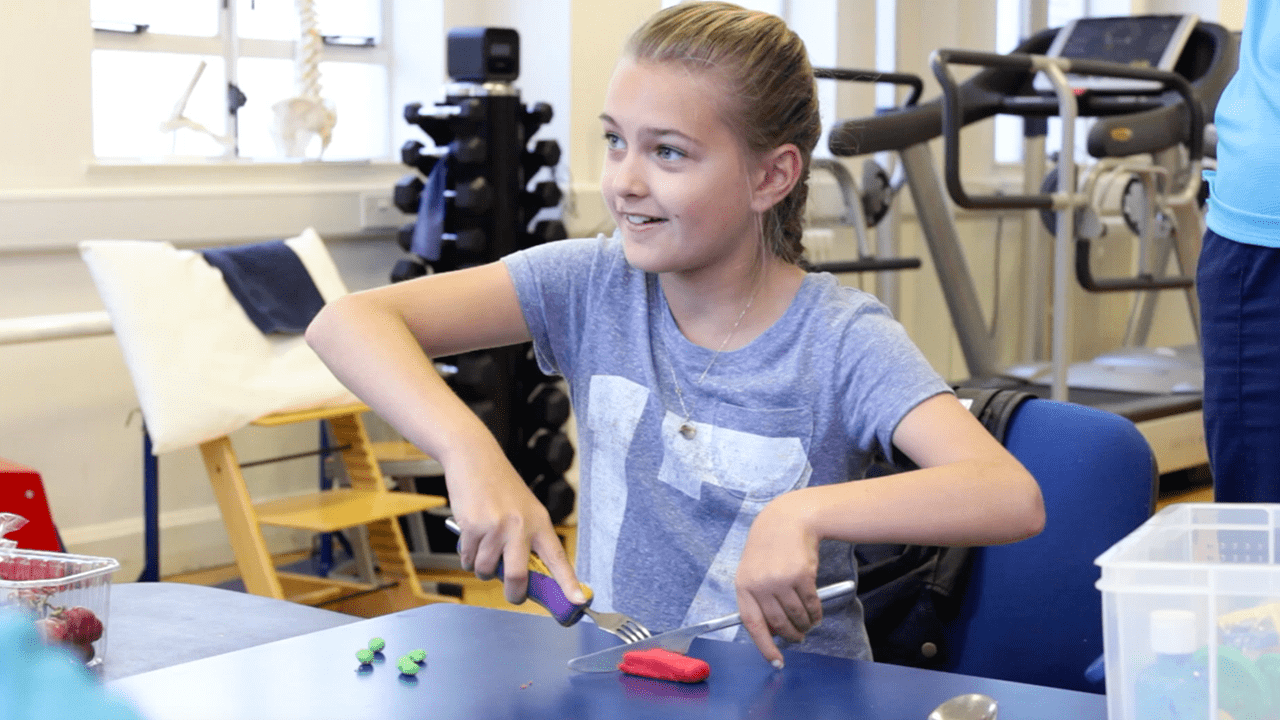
(231, 49)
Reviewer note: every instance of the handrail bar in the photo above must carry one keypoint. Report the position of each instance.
(37, 328)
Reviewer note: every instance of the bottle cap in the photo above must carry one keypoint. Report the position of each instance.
(1173, 632)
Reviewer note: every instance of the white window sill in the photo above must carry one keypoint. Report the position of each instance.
(202, 162)
(184, 201)
(200, 171)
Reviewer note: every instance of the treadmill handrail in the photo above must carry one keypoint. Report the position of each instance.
(952, 114)
(1208, 62)
(915, 82)
(855, 217)
(1143, 123)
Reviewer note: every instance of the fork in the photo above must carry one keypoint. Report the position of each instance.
(624, 626)
(544, 590)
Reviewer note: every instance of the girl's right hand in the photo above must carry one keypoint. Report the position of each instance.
(379, 342)
(501, 519)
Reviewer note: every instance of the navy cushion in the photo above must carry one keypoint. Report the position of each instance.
(270, 283)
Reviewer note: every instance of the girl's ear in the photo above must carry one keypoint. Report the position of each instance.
(778, 173)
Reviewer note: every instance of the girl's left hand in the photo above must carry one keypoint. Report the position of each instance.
(777, 576)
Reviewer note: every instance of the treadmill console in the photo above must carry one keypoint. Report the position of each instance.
(1151, 41)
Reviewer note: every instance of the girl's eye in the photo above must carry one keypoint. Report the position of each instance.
(666, 152)
(612, 141)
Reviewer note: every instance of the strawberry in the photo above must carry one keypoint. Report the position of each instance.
(83, 650)
(83, 626)
(52, 629)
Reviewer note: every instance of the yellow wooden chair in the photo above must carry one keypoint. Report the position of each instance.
(366, 502)
(202, 370)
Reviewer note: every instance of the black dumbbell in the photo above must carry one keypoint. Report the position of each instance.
(470, 241)
(472, 150)
(527, 373)
(548, 193)
(535, 117)
(434, 124)
(549, 451)
(408, 194)
(545, 153)
(408, 269)
(549, 151)
(547, 231)
(556, 495)
(544, 195)
(548, 407)
(474, 197)
(473, 374)
(404, 236)
(414, 154)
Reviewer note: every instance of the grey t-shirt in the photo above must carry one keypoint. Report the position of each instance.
(663, 519)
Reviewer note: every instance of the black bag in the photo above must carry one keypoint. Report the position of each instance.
(910, 592)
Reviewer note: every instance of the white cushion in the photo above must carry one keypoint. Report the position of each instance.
(200, 367)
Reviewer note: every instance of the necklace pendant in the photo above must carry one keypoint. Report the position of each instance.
(687, 430)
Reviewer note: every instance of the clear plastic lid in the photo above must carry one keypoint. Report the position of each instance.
(8, 523)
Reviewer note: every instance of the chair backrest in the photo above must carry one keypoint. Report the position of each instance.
(201, 367)
(1030, 611)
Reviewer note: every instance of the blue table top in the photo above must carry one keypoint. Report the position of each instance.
(493, 664)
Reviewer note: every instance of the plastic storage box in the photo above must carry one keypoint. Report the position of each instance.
(1197, 581)
(66, 595)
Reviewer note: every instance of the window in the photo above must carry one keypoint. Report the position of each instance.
(169, 77)
(1009, 22)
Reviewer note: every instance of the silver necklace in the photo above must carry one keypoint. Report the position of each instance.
(687, 430)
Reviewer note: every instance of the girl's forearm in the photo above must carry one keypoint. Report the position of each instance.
(371, 351)
(969, 502)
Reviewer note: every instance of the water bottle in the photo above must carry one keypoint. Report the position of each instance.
(1176, 685)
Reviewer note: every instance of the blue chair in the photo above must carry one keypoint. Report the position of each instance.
(1030, 611)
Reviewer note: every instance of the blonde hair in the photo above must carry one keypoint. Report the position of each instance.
(772, 94)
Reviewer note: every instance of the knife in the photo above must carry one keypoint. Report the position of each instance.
(680, 639)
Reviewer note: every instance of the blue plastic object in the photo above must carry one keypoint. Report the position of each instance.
(1174, 687)
(38, 681)
(1097, 670)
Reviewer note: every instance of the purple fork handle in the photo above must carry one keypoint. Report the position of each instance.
(544, 590)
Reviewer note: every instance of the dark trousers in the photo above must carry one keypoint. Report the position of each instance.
(1239, 289)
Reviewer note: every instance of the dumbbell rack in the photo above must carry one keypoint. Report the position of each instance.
(475, 202)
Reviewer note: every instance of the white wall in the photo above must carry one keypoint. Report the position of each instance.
(67, 406)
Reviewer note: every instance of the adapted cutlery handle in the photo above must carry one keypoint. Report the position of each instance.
(825, 593)
(543, 588)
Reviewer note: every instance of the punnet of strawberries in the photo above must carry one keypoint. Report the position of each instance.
(60, 591)
(73, 626)
(77, 627)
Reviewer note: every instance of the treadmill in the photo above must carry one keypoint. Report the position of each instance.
(1140, 109)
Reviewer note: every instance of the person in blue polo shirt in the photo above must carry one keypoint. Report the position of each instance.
(1238, 276)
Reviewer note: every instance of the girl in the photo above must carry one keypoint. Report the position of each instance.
(723, 395)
